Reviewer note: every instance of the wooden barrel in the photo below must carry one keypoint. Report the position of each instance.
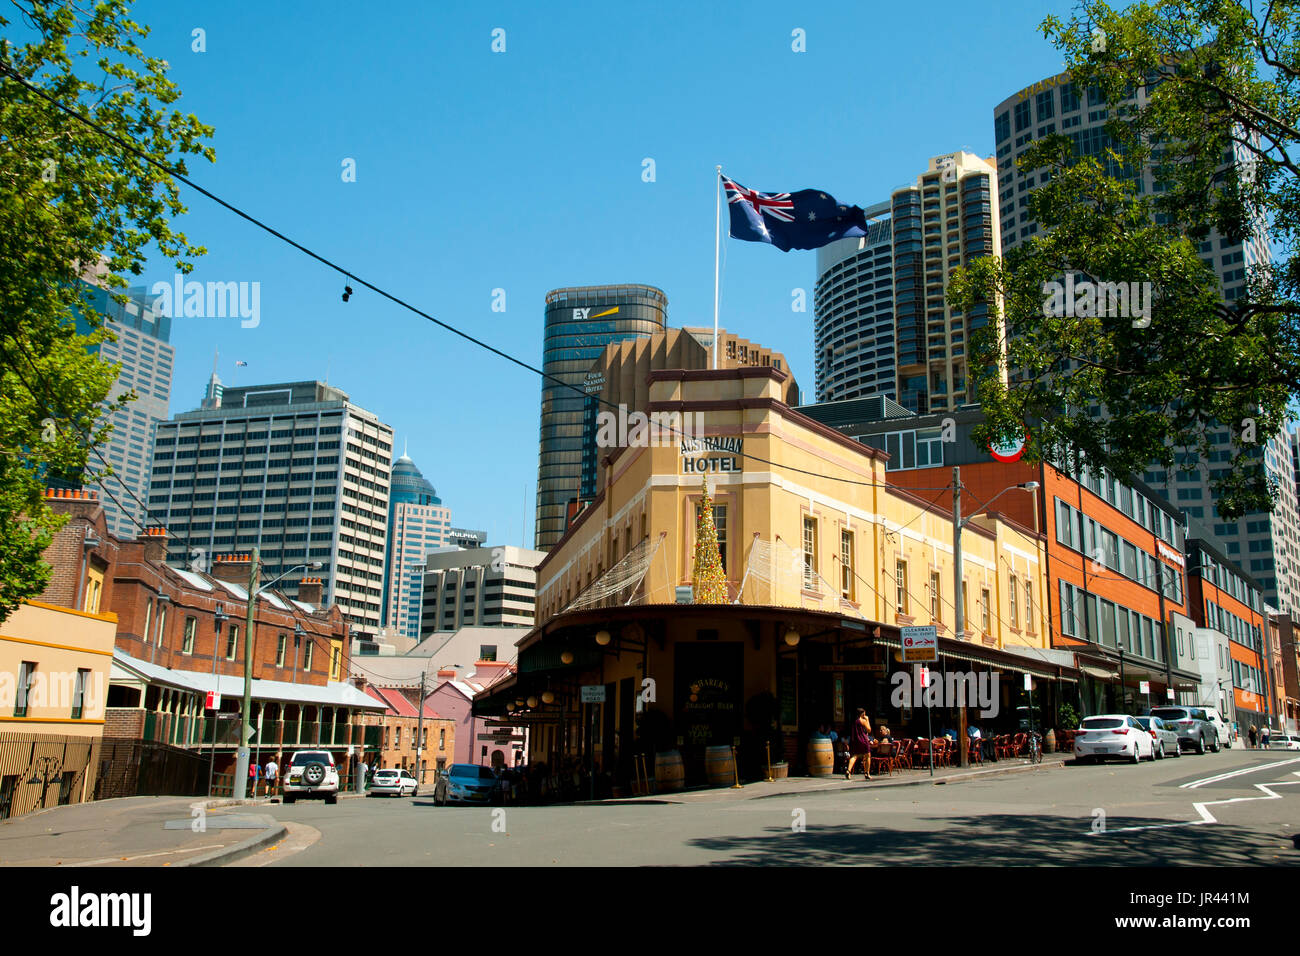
(670, 773)
(718, 767)
(780, 771)
(821, 758)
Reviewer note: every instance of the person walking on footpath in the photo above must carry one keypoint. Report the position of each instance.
(1250, 736)
(271, 770)
(859, 744)
(1264, 734)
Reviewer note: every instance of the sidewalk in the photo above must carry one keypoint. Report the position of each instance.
(761, 790)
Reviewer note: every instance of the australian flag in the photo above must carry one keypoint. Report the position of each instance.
(807, 219)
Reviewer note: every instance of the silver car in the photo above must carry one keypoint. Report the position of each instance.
(1164, 737)
(1194, 728)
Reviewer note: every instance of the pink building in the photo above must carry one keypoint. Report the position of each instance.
(453, 699)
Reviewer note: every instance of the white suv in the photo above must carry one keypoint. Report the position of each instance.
(312, 775)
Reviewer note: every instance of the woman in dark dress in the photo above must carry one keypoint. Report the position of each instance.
(859, 743)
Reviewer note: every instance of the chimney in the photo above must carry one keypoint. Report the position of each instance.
(232, 568)
(310, 591)
(155, 545)
(77, 502)
(446, 673)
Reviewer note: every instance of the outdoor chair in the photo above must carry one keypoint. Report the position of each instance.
(903, 757)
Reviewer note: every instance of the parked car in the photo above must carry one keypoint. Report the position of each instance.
(394, 782)
(1194, 727)
(1284, 742)
(312, 776)
(1111, 736)
(465, 783)
(1164, 737)
(1226, 734)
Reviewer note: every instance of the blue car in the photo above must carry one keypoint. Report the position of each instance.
(465, 783)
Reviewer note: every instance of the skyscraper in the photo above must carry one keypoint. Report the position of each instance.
(295, 469)
(146, 358)
(853, 306)
(418, 523)
(1266, 545)
(883, 324)
(580, 322)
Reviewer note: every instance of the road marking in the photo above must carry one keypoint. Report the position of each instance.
(1205, 815)
(1236, 773)
(145, 856)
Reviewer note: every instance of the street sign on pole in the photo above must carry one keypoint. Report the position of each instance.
(919, 643)
(1029, 682)
(213, 701)
(1144, 687)
(593, 693)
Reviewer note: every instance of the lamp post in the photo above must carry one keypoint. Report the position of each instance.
(958, 602)
(218, 618)
(48, 768)
(246, 732)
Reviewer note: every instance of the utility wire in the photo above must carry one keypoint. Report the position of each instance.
(351, 276)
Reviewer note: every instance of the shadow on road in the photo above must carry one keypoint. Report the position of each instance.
(1003, 840)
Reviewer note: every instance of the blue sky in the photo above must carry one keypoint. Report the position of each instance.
(522, 171)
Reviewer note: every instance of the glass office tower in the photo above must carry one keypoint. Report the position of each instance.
(580, 322)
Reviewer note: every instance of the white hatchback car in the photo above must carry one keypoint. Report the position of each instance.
(1284, 742)
(312, 775)
(1112, 736)
(396, 782)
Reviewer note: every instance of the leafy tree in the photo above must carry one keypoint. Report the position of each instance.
(1203, 93)
(71, 198)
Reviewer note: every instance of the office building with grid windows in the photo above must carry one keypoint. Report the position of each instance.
(140, 345)
(579, 323)
(295, 469)
(418, 523)
(1266, 545)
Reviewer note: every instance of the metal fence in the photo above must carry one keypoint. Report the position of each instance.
(45, 770)
(129, 768)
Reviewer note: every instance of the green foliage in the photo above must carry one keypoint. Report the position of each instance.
(70, 199)
(1068, 717)
(1117, 390)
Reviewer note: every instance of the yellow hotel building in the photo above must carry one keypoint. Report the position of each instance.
(825, 561)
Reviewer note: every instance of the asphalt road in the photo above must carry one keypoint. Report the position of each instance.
(1171, 812)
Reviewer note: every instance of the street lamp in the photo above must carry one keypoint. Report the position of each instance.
(958, 602)
(246, 734)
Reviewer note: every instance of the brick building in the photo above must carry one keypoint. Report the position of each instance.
(399, 726)
(180, 635)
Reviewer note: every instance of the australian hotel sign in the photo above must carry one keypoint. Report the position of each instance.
(712, 454)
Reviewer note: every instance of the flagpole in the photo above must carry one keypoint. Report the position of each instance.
(717, 246)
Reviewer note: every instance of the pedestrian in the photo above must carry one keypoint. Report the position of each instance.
(1250, 736)
(1264, 734)
(859, 735)
(272, 768)
(252, 778)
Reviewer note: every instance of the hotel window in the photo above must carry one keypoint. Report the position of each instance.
(26, 672)
(94, 590)
(986, 623)
(79, 693)
(809, 552)
(1122, 636)
(281, 645)
(397, 738)
(162, 623)
(1029, 606)
(442, 739)
(187, 642)
(306, 655)
(900, 586)
(934, 595)
(148, 619)
(1013, 608)
(336, 660)
(846, 565)
(232, 642)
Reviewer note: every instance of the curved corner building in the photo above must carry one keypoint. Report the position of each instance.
(580, 322)
(418, 522)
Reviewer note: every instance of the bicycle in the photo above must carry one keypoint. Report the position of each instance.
(1034, 747)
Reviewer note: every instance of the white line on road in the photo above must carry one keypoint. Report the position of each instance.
(145, 856)
(1205, 815)
(1236, 773)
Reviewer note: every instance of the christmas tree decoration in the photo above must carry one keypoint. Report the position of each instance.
(708, 580)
